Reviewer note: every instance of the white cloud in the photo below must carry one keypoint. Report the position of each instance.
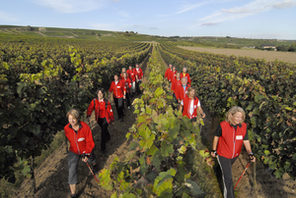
(252, 8)
(7, 18)
(190, 7)
(72, 6)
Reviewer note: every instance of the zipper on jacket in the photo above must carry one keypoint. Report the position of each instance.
(233, 143)
(75, 139)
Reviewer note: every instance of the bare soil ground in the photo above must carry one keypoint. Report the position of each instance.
(289, 57)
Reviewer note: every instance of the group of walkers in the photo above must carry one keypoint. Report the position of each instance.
(230, 135)
(123, 88)
(183, 93)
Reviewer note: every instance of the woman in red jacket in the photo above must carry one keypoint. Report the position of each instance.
(104, 115)
(119, 92)
(191, 105)
(139, 75)
(81, 146)
(227, 144)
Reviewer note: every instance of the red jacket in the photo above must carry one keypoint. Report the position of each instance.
(118, 90)
(186, 75)
(231, 141)
(186, 107)
(175, 83)
(127, 83)
(131, 75)
(82, 141)
(167, 73)
(180, 92)
(172, 75)
(138, 73)
(101, 110)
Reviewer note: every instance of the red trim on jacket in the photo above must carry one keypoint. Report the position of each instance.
(82, 141)
(231, 141)
(100, 110)
(138, 73)
(118, 89)
(186, 107)
(131, 75)
(182, 75)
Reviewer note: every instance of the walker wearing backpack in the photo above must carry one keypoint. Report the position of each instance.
(104, 115)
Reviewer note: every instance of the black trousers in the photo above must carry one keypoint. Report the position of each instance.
(225, 165)
(128, 99)
(138, 91)
(119, 107)
(105, 135)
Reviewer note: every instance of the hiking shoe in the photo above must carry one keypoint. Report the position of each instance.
(74, 195)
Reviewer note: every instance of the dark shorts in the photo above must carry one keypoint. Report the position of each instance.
(73, 160)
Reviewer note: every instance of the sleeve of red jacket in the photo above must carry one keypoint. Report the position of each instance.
(123, 86)
(89, 141)
(90, 108)
(129, 83)
(189, 80)
(110, 112)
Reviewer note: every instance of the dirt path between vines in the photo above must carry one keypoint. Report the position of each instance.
(52, 175)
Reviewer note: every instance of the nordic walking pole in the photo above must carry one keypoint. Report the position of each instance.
(247, 166)
(92, 172)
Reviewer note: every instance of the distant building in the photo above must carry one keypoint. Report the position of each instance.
(268, 47)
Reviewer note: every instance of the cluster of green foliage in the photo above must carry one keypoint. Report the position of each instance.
(265, 90)
(41, 80)
(166, 157)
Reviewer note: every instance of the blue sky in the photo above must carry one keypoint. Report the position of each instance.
(238, 18)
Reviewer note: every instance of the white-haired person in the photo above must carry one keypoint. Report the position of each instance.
(230, 136)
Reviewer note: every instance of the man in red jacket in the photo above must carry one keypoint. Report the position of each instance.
(81, 145)
(182, 90)
(139, 75)
(104, 115)
(185, 74)
(231, 134)
(119, 92)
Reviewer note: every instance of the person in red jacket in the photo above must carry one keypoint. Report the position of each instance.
(81, 146)
(139, 75)
(184, 74)
(231, 134)
(127, 84)
(168, 71)
(181, 91)
(173, 74)
(103, 114)
(190, 105)
(123, 70)
(132, 77)
(119, 92)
